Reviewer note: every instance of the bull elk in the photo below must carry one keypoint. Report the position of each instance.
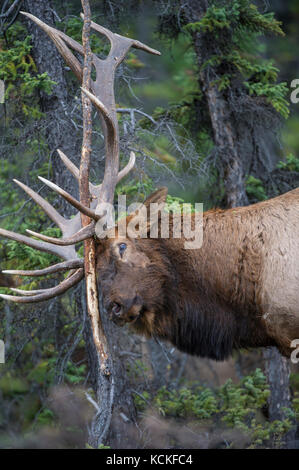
(239, 290)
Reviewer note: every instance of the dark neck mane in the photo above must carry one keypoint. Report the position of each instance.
(202, 323)
(213, 330)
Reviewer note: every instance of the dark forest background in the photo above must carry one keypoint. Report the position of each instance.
(212, 119)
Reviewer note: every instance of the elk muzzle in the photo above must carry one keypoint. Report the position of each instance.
(123, 311)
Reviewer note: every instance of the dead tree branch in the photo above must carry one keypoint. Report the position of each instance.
(89, 245)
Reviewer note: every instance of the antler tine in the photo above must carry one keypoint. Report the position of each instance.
(106, 32)
(80, 236)
(104, 112)
(27, 293)
(134, 43)
(59, 39)
(129, 166)
(49, 210)
(122, 174)
(94, 189)
(80, 207)
(139, 45)
(47, 294)
(69, 164)
(66, 225)
(106, 193)
(56, 268)
(64, 253)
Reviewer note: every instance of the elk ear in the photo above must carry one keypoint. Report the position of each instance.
(154, 207)
(140, 221)
(158, 197)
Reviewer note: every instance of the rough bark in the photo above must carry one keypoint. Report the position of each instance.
(280, 393)
(277, 370)
(57, 126)
(223, 125)
(225, 139)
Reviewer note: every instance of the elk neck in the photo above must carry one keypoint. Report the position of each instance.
(210, 303)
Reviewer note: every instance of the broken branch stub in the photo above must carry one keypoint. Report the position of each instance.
(99, 337)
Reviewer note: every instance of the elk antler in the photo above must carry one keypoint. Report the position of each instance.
(103, 90)
(62, 247)
(102, 96)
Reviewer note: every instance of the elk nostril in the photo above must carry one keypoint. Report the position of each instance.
(132, 317)
(116, 308)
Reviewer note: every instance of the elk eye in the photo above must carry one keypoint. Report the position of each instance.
(122, 247)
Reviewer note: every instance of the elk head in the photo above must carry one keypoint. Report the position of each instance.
(131, 273)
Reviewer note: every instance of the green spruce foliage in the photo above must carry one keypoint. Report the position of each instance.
(237, 406)
(19, 73)
(234, 55)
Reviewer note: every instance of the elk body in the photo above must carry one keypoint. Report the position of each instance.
(239, 290)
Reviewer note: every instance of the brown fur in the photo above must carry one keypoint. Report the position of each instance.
(240, 289)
